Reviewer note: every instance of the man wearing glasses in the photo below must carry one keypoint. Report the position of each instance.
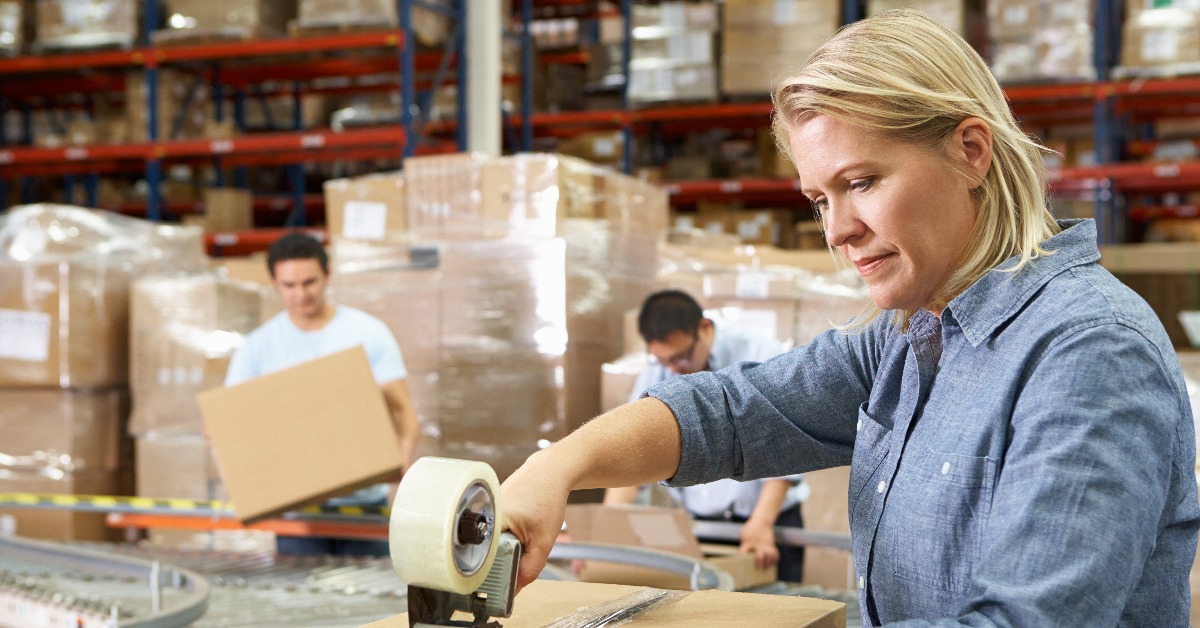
(683, 341)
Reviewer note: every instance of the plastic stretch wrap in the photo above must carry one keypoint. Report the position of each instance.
(87, 23)
(1161, 38)
(530, 262)
(431, 28)
(12, 27)
(766, 288)
(1041, 39)
(65, 275)
(52, 433)
(226, 18)
(183, 331)
(759, 40)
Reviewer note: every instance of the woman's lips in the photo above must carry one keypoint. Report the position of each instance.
(868, 265)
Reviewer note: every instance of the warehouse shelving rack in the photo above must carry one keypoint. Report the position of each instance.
(54, 80)
(1114, 107)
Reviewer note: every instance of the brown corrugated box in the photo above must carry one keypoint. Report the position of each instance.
(952, 14)
(87, 23)
(64, 323)
(369, 207)
(183, 331)
(228, 209)
(301, 435)
(239, 19)
(54, 524)
(544, 602)
(1160, 36)
(68, 429)
(826, 510)
(177, 466)
(663, 529)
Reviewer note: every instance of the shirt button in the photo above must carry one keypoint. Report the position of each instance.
(861, 582)
(859, 428)
(945, 468)
(882, 485)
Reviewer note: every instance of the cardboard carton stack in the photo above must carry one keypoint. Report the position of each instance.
(537, 257)
(1160, 37)
(369, 207)
(183, 331)
(65, 277)
(762, 40)
(1041, 39)
(673, 56)
(74, 24)
(1165, 274)
(430, 27)
(193, 20)
(12, 27)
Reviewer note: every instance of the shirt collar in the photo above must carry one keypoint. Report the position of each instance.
(992, 300)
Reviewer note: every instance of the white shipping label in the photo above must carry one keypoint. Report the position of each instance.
(1160, 45)
(24, 335)
(753, 285)
(365, 220)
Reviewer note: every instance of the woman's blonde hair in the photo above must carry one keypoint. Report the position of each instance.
(914, 80)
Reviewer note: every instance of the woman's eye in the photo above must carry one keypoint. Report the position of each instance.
(861, 184)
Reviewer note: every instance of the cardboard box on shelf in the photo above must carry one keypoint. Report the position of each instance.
(228, 209)
(301, 435)
(227, 20)
(1165, 274)
(64, 24)
(543, 602)
(369, 207)
(663, 529)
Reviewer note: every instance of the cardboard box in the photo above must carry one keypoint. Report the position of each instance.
(543, 602)
(55, 524)
(826, 510)
(301, 435)
(1166, 275)
(370, 207)
(63, 430)
(663, 529)
(618, 377)
(177, 466)
(228, 209)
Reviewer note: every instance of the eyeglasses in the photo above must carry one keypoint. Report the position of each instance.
(683, 358)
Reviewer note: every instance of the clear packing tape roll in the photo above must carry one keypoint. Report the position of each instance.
(435, 500)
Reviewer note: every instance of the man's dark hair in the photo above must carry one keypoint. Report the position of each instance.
(296, 245)
(666, 312)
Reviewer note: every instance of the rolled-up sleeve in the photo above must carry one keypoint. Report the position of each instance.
(793, 413)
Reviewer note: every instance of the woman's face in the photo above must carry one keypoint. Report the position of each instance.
(899, 212)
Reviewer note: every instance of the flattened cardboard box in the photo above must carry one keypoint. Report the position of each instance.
(544, 602)
(301, 435)
(663, 529)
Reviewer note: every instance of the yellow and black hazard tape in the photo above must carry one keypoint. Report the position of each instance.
(150, 505)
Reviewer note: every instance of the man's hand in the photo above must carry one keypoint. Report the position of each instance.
(759, 539)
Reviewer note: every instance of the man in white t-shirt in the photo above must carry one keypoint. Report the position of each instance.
(683, 341)
(310, 327)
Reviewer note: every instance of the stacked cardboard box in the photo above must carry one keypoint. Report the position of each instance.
(537, 258)
(12, 27)
(430, 27)
(1159, 36)
(87, 23)
(1041, 39)
(188, 20)
(65, 276)
(762, 40)
(673, 57)
(185, 107)
(369, 207)
(953, 14)
(1166, 275)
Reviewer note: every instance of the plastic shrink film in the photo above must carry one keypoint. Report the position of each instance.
(430, 27)
(87, 23)
(506, 303)
(12, 28)
(232, 19)
(1041, 39)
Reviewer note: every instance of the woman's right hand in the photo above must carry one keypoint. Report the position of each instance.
(533, 505)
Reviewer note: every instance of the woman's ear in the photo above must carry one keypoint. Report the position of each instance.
(972, 141)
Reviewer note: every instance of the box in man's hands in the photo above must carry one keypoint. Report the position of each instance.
(299, 436)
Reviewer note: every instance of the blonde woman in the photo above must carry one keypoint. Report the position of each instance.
(1017, 427)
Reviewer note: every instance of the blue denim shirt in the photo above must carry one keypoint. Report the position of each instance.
(1026, 460)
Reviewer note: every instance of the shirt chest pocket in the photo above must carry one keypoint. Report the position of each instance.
(935, 517)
